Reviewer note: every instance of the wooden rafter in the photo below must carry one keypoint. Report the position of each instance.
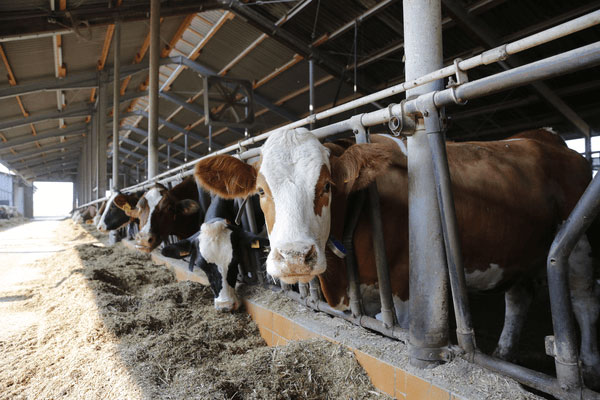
(180, 31)
(13, 82)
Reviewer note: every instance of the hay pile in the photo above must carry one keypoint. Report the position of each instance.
(113, 325)
(12, 222)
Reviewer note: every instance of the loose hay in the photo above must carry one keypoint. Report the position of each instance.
(113, 325)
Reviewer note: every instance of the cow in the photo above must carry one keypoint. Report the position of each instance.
(99, 213)
(86, 215)
(510, 197)
(115, 211)
(163, 212)
(217, 250)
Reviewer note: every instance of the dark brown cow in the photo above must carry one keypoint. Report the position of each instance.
(163, 212)
(511, 196)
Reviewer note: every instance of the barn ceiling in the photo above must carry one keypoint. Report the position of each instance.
(52, 52)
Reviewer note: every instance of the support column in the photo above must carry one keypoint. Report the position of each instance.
(102, 145)
(116, 95)
(153, 89)
(94, 153)
(428, 329)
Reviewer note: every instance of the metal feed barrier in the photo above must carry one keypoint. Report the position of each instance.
(419, 118)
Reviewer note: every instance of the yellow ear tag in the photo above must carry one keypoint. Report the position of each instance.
(126, 207)
(255, 244)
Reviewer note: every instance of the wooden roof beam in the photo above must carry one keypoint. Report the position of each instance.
(13, 82)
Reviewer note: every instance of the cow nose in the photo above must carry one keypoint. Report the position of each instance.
(145, 239)
(303, 255)
(227, 305)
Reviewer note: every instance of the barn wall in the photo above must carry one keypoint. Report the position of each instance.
(6, 189)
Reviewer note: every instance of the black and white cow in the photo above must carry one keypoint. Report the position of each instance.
(217, 250)
(115, 211)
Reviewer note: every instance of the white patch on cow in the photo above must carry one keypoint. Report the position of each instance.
(291, 165)
(400, 142)
(215, 246)
(77, 217)
(486, 279)
(101, 225)
(153, 197)
(511, 140)
(550, 129)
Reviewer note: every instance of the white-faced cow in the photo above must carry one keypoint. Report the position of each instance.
(163, 212)
(217, 250)
(510, 196)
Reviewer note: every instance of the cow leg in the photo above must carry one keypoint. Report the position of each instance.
(585, 308)
(517, 301)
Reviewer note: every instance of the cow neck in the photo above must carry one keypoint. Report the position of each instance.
(187, 189)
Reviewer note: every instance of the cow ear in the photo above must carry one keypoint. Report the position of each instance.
(226, 176)
(121, 202)
(186, 208)
(360, 165)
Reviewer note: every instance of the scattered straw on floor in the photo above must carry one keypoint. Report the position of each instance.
(113, 325)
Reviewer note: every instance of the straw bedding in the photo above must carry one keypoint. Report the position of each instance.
(108, 323)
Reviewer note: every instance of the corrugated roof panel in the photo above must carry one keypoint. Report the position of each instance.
(262, 60)
(29, 59)
(233, 37)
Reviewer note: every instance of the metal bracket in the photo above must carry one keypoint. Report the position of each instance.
(461, 76)
(402, 123)
(240, 148)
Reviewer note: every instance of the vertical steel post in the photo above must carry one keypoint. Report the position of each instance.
(428, 327)
(565, 344)
(137, 169)
(209, 138)
(94, 150)
(588, 147)
(102, 136)
(311, 88)
(383, 274)
(356, 203)
(254, 229)
(185, 146)
(116, 95)
(153, 89)
(456, 273)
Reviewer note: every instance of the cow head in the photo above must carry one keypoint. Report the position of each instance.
(157, 212)
(296, 179)
(117, 211)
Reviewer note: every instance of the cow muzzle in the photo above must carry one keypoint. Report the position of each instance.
(294, 262)
(227, 305)
(146, 242)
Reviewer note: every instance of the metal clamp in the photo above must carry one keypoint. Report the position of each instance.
(494, 55)
(461, 76)
(240, 148)
(401, 124)
(457, 99)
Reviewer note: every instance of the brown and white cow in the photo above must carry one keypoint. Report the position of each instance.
(163, 212)
(510, 196)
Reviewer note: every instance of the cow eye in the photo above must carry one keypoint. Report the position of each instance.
(327, 187)
(261, 192)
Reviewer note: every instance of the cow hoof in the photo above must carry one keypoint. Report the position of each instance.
(591, 376)
(505, 355)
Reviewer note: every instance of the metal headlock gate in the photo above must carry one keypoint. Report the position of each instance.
(419, 118)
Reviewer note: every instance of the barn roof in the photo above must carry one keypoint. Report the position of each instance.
(43, 42)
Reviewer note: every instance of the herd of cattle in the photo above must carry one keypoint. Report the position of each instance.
(511, 196)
